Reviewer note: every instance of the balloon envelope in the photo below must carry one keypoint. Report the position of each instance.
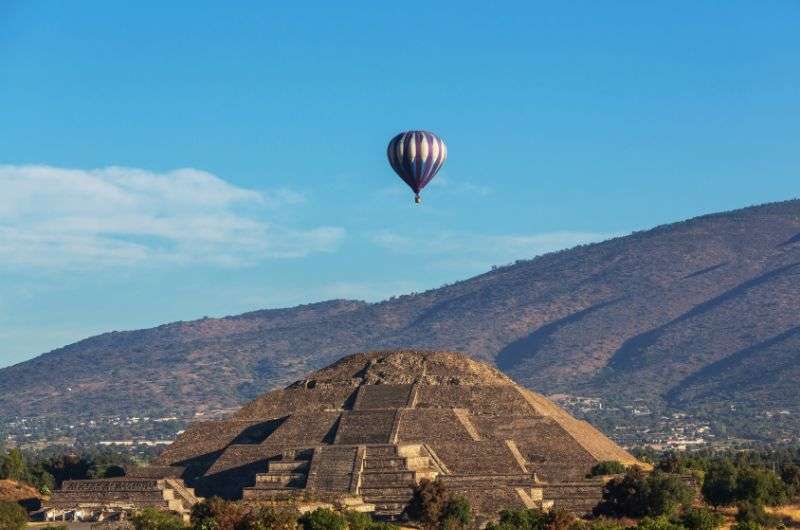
(416, 156)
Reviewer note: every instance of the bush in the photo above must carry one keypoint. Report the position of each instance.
(638, 495)
(657, 523)
(701, 519)
(665, 493)
(379, 525)
(323, 519)
(760, 486)
(535, 519)
(427, 502)
(750, 512)
(790, 474)
(670, 463)
(357, 520)
(456, 513)
(218, 514)
(12, 516)
(720, 484)
(746, 525)
(363, 521)
(13, 466)
(269, 518)
(152, 519)
(602, 523)
(607, 467)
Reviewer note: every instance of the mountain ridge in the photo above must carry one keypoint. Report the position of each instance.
(709, 295)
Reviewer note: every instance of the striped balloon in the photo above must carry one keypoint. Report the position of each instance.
(416, 156)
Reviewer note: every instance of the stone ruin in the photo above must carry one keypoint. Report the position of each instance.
(363, 431)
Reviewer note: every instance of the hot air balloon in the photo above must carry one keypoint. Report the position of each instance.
(416, 156)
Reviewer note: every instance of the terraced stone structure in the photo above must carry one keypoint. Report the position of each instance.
(102, 499)
(364, 430)
(371, 425)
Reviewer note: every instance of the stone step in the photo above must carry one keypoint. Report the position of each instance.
(387, 494)
(389, 509)
(429, 474)
(410, 450)
(391, 462)
(330, 482)
(120, 496)
(121, 484)
(381, 451)
(378, 479)
(419, 462)
(71, 504)
(287, 466)
(283, 479)
(275, 494)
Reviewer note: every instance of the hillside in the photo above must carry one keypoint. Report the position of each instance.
(11, 491)
(696, 315)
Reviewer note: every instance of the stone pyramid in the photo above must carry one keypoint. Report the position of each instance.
(367, 428)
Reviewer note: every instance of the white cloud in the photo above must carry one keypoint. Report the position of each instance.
(464, 187)
(373, 291)
(444, 187)
(54, 217)
(476, 251)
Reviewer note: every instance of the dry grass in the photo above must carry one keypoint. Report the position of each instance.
(790, 512)
(14, 491)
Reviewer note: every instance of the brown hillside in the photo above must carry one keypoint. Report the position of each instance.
(698, 312)
(12, 491)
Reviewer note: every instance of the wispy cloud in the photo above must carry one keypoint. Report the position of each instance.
(461, 187)
(53, 217)
(444, 187)
(465, 250)
(370, 291)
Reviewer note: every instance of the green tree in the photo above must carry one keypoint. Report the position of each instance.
(790, 474)
(152, 519)
(603, 523)
(270, 518)
(530, 519)
(638, 495)
(219, 514)
(657, 523)
(720, 484)
(749, 512)
(14, 466)
(701, 519)
(760, 486)
(12, 516)
(427, 502)
(357, 520)
(323, 519)
(665, 493)
(746, 525)
(456, 513)
(670, 463)
(535, 519)
(607, 467)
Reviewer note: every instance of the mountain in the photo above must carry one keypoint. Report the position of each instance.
(700, 315)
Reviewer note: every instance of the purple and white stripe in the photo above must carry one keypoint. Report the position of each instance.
(416, 156)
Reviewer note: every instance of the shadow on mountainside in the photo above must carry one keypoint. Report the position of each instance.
(629, 355)
(714, 370)
(529, 346)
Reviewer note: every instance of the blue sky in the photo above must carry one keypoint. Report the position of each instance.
(165, 161)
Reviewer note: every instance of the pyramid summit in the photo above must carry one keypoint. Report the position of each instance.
(368, 427)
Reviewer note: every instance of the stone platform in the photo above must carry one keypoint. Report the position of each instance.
(366, 429)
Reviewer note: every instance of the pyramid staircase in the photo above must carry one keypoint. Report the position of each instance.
(88, 499)
(285, 479)
(390, 473)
